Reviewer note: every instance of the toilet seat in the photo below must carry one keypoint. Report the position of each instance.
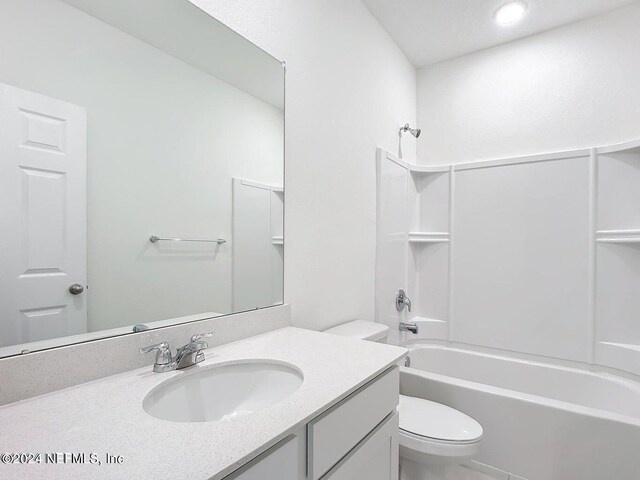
(431, 428)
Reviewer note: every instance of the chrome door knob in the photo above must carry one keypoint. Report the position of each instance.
(76, 289)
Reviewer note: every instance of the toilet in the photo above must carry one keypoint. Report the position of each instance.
(434, 438)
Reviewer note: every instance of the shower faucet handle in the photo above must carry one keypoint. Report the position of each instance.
(402, 301)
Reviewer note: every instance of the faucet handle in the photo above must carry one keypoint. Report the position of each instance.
(163, 357)
(402, 301)
(198, 336)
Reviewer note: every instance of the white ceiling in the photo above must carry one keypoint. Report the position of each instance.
(430, 31)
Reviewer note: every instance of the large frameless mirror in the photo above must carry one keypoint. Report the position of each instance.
(141, 170)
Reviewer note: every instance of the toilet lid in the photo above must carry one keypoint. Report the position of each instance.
(434, 420)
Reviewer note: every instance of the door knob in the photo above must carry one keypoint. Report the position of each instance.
(76, 289)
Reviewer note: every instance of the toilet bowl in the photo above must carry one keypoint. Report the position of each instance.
(434, 438)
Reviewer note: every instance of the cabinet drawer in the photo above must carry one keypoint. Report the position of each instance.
(280, 461)
(374, 458)
(334, 433)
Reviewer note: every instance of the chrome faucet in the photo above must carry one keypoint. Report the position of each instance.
(402, 301)
(186, 356)
(409, 327)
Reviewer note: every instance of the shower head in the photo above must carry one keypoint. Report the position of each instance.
(413, 131)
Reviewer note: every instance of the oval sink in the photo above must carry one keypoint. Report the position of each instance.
(223, 392)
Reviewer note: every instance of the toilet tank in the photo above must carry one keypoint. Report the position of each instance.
(362, 329)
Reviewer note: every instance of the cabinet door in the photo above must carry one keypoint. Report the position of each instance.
(280, 462)
(333, 434)
(374, 458)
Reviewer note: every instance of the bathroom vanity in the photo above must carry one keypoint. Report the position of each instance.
(338, 422)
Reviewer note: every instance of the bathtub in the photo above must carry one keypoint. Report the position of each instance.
(540, 421)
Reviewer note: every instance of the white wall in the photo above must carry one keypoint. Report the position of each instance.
(349, 88)
(147, 112)
(572, 87)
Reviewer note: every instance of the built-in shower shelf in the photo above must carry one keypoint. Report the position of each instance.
(277, 241)
(419, 319)
(618, 236)
(625, 356)
(625, 346)
(619, 240)
(430, 327)
(418, 169)
(428, 237)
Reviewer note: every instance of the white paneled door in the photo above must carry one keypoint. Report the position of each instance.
(42, 217)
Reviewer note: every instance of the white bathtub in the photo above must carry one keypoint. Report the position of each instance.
(541, 421)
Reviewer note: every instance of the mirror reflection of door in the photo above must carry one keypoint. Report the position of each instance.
(258, 244)
(43, 222)
(115, 131)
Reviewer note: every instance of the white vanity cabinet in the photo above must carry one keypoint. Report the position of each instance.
(375, 458)
(343, 428)
(356, 439)
(280, 462)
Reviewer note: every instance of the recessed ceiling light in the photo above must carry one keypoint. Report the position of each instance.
(511, 12)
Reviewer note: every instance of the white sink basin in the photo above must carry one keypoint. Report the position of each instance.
(222, 392)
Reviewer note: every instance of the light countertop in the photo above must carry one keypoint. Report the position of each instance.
(106, 416)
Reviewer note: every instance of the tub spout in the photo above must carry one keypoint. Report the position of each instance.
(409, 327)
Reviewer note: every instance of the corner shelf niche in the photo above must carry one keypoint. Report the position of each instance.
(428, 200)
(617, 258)
(428, 285)
(617, 304)
(618, 193)
(429, 197)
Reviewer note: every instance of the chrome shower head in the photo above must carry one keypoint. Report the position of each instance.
(413, 131)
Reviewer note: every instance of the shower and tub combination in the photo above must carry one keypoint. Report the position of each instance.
(540, 421)
(522, 275)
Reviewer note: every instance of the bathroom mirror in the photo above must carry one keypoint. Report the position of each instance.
(141, 170)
